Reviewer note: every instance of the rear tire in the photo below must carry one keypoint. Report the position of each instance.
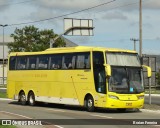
(22, 98)
(90, 104)
(31, 99)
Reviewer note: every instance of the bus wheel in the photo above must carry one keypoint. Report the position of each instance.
(31, 99)
(90, 104)
(22, 98)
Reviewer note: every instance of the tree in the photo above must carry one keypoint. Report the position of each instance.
(158, 77)
(31, 39)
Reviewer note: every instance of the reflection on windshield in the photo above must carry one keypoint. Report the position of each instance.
(135, 79)
(126, 80)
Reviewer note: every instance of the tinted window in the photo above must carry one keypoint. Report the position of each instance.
(99, 72)
(83, 61)
(56, 61)
(12, 63)
(43, 62)
(32, 62)
(21, 63)
(69, 61)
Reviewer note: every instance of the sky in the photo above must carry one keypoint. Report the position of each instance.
(115, 22)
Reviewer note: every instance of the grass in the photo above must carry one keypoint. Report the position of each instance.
(3, 86)
(152, 91)
(3, 95)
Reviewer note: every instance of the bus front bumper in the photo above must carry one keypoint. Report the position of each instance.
(116, 103)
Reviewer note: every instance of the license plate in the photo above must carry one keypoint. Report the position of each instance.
(128, 104)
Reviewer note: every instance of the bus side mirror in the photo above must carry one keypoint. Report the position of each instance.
(107, 69)
(149, 72)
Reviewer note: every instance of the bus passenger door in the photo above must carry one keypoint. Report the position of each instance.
(99, 77)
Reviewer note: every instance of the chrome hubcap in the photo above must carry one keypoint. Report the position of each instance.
(31, 99)
(23, 98)
(90, 103)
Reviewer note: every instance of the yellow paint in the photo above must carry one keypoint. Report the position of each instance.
(149, 72)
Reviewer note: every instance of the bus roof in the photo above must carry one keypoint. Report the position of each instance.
(72, 49)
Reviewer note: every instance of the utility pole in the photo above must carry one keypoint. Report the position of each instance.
(140, 28)
(3, 48)
(134, 41)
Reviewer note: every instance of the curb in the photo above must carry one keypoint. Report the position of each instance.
(153, 95)
(7, 99)
(3, 88)
(149, 110)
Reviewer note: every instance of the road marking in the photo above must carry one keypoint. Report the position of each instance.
(58, 126)
(55, 110)
(147, 110)
(16, 114)
(101, 116)
(26, 117)
(7, 99)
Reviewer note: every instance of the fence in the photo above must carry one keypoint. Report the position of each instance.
(151, 62)
(1, 81)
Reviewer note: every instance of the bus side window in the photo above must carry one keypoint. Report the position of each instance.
(68, 61)
(64, 66)
(33, 66)
(53, 66)
(43, 62)
(12, 63)
(83, 61)
(32, 62)
(80, 61)
(56, 61)
(87, 61)
(21, 63)
(73, 62)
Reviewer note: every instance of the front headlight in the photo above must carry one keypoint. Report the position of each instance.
(140, 97)
(113, 97)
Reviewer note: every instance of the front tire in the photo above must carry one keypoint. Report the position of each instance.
(90, 104)
(31, 99)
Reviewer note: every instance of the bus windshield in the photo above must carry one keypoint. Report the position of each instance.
(126, 80)
(126, 73)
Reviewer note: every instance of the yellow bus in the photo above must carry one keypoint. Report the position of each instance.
(86, 76)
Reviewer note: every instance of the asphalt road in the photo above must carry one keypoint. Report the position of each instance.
(76, 116)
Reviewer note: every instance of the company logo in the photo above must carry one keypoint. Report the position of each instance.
(6, 122)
